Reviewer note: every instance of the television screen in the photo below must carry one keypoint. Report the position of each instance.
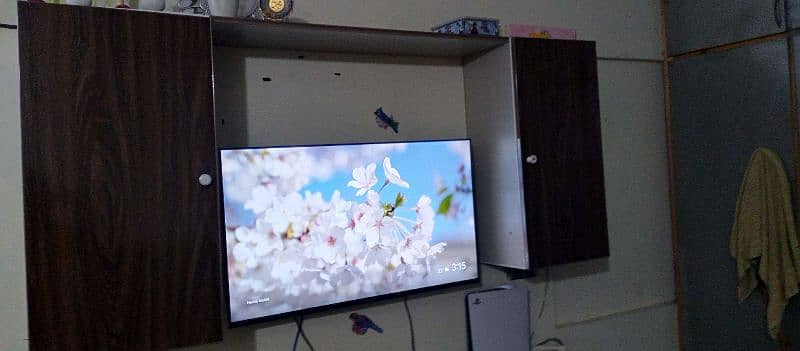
(314, 226)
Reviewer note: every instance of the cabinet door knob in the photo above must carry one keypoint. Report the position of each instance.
(205, 179)
(532, 159)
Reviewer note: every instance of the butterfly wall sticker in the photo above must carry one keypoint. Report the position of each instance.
(386, 121)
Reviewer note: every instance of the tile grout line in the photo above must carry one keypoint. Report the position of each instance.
(671, 178)
(623, 59)
(783, 343)
(733, 45)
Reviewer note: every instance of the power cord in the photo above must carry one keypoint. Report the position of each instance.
(410, 324)
(555, 340)
(544, 299)
(297, 334)
(546, 290)
(301, 332)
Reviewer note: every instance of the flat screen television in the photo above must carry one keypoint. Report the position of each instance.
(311, 227)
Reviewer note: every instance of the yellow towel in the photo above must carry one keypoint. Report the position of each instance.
(763, 240)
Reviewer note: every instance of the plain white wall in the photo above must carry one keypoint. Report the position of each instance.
(624, 288)
(630, 294)
(13, 310)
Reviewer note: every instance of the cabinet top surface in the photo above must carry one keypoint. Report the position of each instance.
(235, 32)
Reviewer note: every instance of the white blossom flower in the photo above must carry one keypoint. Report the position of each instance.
(243, 254)
(339, 210)
(436, 249)
(413, 248)
(396, 260)
(329, 245)
(425, 217)
(265, 239)
(261, 199)
(373, 199)
(314, 202)
(354, 243)
(319, 287)
(285, 211)
(380, 229)
(392, 174)
(238, 177)
(365, 219)
(363, 179)
(376, 271)
(287, 266)
(255, 285)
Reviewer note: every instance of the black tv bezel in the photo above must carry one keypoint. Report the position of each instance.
(361, 301)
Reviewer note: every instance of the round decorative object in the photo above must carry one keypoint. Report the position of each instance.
(205, 179)
(276, 9)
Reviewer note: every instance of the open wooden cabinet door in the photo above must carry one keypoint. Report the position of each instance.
(122, 243)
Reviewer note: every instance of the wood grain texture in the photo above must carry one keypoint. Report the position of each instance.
(559, 121)
(122, 243)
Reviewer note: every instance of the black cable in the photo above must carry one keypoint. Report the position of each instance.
(300, 331)
(8, 26)
(410, 325)
(544, 299)
(546, 289)
(541, 307)
(305, 338)
(555, 340)
(297, 334)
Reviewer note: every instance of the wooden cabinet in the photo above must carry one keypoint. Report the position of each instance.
(538, 130)
(561, 145)
(694, 25)
(122, 243)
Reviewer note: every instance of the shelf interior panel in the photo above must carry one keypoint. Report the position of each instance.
(245, 33)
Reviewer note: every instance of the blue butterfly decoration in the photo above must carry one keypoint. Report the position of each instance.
(385, 121)
(362, 324)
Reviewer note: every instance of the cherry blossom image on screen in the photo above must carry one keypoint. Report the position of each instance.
(313, 226)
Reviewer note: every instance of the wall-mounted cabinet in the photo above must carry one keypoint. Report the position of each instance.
(286, 84)
(559, 124)
(694, 25)
(123, 243)
(537, 136)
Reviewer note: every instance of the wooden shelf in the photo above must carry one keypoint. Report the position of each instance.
(245, 33)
